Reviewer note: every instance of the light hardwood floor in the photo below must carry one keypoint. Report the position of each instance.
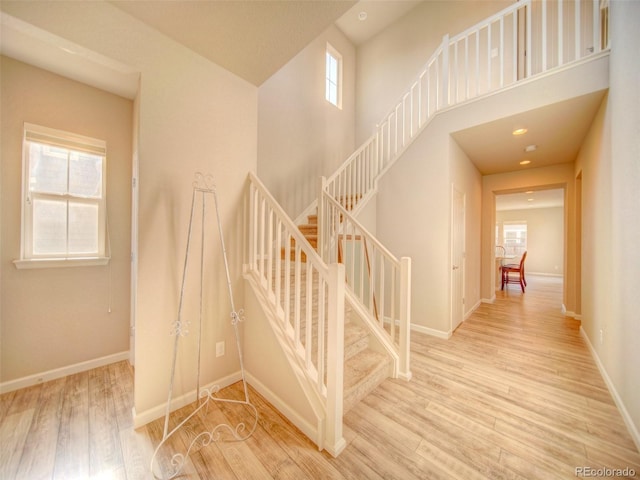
(513, 394)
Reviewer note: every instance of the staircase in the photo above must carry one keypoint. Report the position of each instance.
(337, 299)
(364, 367)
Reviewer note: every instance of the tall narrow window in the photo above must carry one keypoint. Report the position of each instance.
(64, 201)
(333, 90)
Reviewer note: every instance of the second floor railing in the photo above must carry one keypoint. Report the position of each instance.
(526, 39)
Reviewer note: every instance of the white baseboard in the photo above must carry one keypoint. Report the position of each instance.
(430, 331)
(473, 309)
(569, 313)
(56, 373)
(488, 300)
(151, 414)
(633, 429)
(311, 431)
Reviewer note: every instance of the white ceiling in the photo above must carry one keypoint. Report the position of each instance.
(556, 130)
(252, 39)
(29, 44)
(379, 14)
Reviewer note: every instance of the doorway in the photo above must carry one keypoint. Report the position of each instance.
(457, 257)
(533, 220)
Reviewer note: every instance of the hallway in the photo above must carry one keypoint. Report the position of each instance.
(514, 393)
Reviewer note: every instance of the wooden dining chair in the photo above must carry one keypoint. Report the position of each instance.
(513, 273)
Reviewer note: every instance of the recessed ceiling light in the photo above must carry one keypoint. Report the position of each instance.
(529, 192)
(519, 131)
(362, 16)
(525, 162)
(530, 148)
(529, 199)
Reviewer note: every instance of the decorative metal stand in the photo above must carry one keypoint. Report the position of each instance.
(203, 187)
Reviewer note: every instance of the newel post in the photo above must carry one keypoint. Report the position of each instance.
(404, 370)
(334, 441)
(322, 231)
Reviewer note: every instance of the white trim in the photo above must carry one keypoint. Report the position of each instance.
(312, 432)
(431, 331)
(159, 411)
(633, 430)
(60, 262)
(488, 300)
(473, 309)
(543, 274)
(569, 313)
(56, 373)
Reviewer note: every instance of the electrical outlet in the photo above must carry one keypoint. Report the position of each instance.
(220, 349)
(601, 336)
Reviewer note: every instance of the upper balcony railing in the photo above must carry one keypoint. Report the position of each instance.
(525, 39)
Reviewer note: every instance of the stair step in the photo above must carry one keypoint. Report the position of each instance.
(312, 219)
(312, 239)
(309, 228)
(363, 373)
(356, 338)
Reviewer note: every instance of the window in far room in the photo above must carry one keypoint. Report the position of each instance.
(64, 199)
(515, 237)
(333, 75)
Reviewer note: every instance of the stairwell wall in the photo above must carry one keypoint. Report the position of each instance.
(413, 216)
(301, 136)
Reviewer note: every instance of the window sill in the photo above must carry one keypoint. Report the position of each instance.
(61, 262)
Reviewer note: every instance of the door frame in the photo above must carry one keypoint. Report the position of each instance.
(458, 241)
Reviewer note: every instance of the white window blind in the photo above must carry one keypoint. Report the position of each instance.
(64, 197)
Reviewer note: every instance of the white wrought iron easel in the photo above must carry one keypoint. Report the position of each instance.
(203, 187)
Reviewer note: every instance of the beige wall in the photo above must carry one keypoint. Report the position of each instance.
(193, 116)
(622, 359)
(545, 238)
(610, 178)
(407, 221)
(56, 317)
(301, 136)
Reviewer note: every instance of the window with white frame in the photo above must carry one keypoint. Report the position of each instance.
(333, 77)
(64, 198)
(515, 237)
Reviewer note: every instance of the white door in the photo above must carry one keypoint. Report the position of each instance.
(134, 258)
(457, 257)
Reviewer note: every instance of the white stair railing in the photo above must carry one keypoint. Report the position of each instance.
(525, 39)
(379, 284)
(307, 297)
